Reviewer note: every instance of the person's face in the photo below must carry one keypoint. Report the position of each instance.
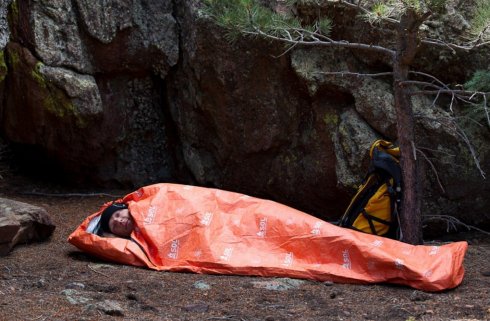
(121, 223)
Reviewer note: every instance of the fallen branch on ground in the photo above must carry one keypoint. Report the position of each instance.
(452, 223)
(70, 194)
(93, 269)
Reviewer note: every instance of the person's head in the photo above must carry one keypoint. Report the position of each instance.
(117, 220)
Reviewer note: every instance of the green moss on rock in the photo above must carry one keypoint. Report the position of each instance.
(331, 119)
(13, 59)
(3, 67)
(37, 76)
(55, 100)
(13, 16)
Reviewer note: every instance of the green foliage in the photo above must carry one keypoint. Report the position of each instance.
(424, 5)
(325, 26)
(384, 9)
(479, 82)
(481, 21)
(251, 17)
(232, 15)
(381, 10)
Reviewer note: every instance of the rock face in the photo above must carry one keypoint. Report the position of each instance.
(246, 122)
(22, 223)
(94, 78)
(136, 92)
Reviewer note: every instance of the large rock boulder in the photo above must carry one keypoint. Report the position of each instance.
(246, 123)
(22, 223)
(93, 74)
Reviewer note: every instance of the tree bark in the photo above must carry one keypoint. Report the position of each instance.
(410, 213)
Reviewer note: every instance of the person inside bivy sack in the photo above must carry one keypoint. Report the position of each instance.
(173, 227)
(115, 221)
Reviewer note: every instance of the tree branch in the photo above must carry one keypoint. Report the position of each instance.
(355, 74)
(325, 43)
(452, 222)
(452, 46)
(421, 20)
(433, 169)
(465, 138)
(71, 194)
(467, 93)
(419, 73)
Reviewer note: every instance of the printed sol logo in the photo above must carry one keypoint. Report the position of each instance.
(179, 210)
(150, 217)
(399, 264)
(347, 264)
(434, 250)
(262, 227)
(316, 228)
(428, 273)
(206, 219)
(174, 250)
(227, 254)
(288, 260)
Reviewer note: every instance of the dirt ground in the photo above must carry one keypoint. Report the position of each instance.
(55, 281)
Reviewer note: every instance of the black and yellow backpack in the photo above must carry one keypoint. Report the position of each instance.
(374, 208)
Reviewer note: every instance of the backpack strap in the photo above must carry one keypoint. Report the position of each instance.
(370, 218)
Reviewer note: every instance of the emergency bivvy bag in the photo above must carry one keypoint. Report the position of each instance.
(375, 207)
(205, 230)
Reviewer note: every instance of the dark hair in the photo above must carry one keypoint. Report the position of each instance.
(107, 214)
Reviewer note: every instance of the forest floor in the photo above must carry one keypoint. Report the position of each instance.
(53, 280)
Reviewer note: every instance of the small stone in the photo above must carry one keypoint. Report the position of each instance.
(328, 283)
(269, 318)
(280, 284)
(75, 285)
(132, 297)
(197, 307)
(74, 297)
(201, 285)
(101, 266)
(110, 307)
(429, 312)
(485, 273)
(147, 307)
(333, 295)
(41, 283)
(419, 296)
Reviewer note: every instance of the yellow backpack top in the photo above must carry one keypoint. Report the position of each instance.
(374, 208)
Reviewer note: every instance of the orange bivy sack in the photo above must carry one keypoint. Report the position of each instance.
(205, 230)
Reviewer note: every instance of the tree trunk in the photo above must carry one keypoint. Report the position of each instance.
(411, 222)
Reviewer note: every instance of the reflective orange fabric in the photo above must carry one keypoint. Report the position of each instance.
(188, 228)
